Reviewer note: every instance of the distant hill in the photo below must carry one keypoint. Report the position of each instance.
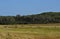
(47, 17)
(42, 18)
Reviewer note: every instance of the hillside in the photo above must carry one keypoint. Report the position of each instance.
(46, 17)
(42, 18)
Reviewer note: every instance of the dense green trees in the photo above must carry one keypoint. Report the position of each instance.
(43, 18)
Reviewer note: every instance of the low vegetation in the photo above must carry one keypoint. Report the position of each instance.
(30, 31)
(39, 26)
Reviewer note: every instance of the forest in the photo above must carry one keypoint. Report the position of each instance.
(42, 18)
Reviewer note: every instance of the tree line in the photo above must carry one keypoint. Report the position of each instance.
(42, 18)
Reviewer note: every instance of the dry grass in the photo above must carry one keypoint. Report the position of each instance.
(13, 35)
(35, 31)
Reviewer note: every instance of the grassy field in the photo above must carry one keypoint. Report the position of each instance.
(30, 31)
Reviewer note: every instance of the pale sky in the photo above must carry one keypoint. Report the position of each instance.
(27, 7)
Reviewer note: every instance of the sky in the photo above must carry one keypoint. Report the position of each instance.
(28, 7)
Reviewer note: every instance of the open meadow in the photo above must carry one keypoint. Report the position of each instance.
(30, 31)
